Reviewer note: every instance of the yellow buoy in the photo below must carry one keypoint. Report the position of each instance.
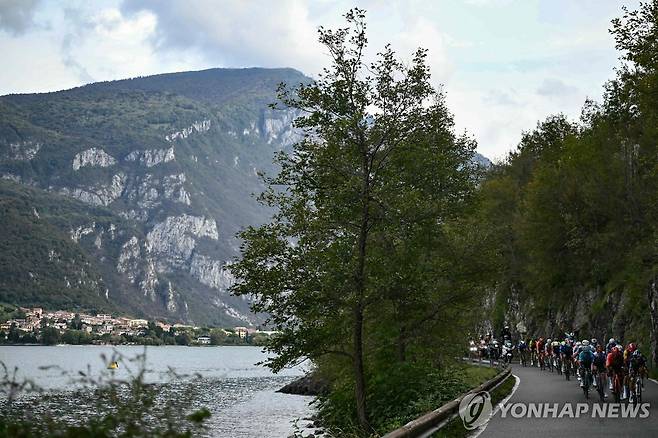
(113, 365)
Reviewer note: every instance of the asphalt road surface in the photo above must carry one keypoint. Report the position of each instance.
(537, 386)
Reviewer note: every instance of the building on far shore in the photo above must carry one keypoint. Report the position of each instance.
(203, 340)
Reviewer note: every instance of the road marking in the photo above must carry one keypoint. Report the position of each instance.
(482, 428)
(654, 380)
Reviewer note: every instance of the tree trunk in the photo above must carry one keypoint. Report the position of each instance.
(652, 295)
(359, 377)
(360, 286)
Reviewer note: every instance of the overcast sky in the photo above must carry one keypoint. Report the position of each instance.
(505, 64)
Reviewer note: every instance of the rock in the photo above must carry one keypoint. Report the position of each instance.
(175, 239)
(24, 150)
(82, 230)
(197, 126)
(129, 258)
(279, 129)
(310, 384)
(171, 299)
(152, 157)
(98, 195)
(93, 157)
(213, 273)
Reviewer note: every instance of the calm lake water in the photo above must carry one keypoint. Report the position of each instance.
(240, 394)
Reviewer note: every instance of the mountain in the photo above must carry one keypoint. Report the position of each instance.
(126, 195)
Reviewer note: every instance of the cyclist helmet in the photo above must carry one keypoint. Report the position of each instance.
(563, 343)
(594, 341)
(611, 341)
(548, 341)
(585, 342)
(637, 353)
(631, 347)
(555, 343)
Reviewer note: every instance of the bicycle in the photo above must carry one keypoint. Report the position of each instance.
(523, 360)
(600, 385)
(617, 385)
(542, 365)
(635, 387)
(567, 368)
(558, 365)
(586, 377)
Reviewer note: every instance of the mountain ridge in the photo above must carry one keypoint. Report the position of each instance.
(170, 161)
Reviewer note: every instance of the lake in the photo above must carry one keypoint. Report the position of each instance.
(240, 394)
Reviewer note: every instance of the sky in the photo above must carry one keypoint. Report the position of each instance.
(504, 64)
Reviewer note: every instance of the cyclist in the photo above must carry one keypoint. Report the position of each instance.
(548, 354)
(599, 365)
(523, 351)
(566, 351)
(556, 357)
(628, 352)
(540, 352)
(533, 351)
(637, 366)
(585, 359)
(615, 364)
(506, 333)
(576, 352)
(610, 345)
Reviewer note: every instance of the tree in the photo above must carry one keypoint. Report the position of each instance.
(49, 336)
(217, 337)
(14, 334)
(355, 185)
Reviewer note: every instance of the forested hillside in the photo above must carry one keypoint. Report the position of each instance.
(572, 214)
(163, 169)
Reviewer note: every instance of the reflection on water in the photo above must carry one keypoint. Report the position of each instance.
(240, 394)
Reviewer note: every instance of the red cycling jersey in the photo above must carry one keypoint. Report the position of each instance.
(614, 360)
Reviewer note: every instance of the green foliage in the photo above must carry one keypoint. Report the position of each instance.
(49, 336)
(110, 407)
(398, 394)
(572, 213)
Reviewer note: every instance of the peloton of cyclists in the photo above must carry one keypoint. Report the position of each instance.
(620, 368)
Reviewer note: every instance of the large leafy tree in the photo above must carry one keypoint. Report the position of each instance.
(363, 204)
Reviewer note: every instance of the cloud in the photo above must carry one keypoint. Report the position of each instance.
(553, 87)
(236, 34)
(16, 16)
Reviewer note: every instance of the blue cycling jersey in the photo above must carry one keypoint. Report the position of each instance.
(586, 357)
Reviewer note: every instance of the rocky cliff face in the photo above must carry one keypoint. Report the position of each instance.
(173, 161)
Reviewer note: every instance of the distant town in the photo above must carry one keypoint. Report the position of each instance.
(38, 326)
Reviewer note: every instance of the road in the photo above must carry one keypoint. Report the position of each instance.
(537, 386)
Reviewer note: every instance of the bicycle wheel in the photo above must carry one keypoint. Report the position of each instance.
(638, 390)
(585, 378)
(599, 387)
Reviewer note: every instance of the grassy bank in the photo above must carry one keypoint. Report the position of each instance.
(399, 395)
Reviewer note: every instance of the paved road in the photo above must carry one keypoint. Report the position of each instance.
(545, 387)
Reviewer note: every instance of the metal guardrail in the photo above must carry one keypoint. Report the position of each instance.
(421, 425)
